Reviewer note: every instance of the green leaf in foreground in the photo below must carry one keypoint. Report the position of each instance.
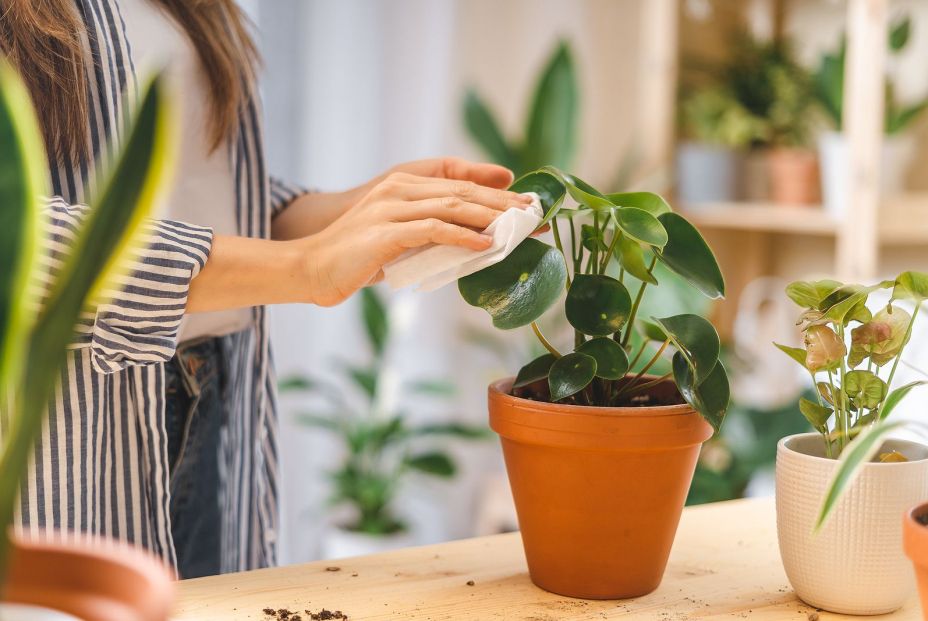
(896, 396)
(688, 254)
(695, 339)
(520, 288)
(534, 371)
(816, 414)
(611, 359)
(570, 374)
(860, 451)
(597, 305)
(710, 397)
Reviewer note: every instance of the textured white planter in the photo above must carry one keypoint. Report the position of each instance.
(855, 564)
(340, 543)
(23, 612)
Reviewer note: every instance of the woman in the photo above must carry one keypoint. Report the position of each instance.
(173, 446)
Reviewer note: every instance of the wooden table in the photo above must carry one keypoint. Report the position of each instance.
(725, 565)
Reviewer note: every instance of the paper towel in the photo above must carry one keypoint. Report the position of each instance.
(434, 266)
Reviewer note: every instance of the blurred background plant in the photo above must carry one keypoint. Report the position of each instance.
(550, 133)
(380, 446)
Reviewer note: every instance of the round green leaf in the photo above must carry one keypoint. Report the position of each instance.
(597, 305)
(520, 288)
(688, 254)
(640, 225)
(570, 374)
(809, 294)
(535, 370)
(548, 188)
(580, 190)
(695, 339)
(652, 331)
(611, 359)
(911, 286)
(649, 201)
(864, 388)
(710, 397)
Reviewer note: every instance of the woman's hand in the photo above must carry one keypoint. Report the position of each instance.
(406, 210)
(311, 213)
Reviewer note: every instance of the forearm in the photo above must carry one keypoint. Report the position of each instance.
(243, 272)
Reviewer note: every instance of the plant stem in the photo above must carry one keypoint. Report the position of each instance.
(594, 254)
(644, 345)
(544, 341)
(644, 370)
(892, 372)
(615, 241)
(840, 414)
(560, 246)
(631, 316)
(649, 384)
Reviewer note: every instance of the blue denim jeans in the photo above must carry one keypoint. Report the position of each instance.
(195, 411)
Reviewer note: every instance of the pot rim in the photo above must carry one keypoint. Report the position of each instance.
(915, 534)
(500, 389)
(782, 444)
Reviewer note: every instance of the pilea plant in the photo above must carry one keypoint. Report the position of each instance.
(852, 354)
(615, 242)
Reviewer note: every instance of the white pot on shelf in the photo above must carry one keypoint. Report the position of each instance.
(855, 564)
(25, 612)
(339, 542)
(896, 160)
(706, 173)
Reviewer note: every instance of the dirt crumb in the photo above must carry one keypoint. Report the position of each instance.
(813, 616)
(333, 568)
(282, 614)
(470, 583)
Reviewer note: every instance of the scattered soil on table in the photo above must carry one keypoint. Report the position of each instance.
(333, 568)
(282, 614)
(470, 583)
(813, 616)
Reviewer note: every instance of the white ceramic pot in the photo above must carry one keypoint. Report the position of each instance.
(706, 173)
(23, 612)
(340, 543)
(896, 160)
(855, 564)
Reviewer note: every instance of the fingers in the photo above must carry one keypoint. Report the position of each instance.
(411, 188)
(435, 231)
(447, 209)
(490, 175)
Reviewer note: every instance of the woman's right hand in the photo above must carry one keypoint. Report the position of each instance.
(401, 212)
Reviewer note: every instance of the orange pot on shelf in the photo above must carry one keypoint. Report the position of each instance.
(89, 579)
(794, 176)
(598, 491)
(915, 542)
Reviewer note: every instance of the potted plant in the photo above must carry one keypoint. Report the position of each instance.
(599, 457)
(841, 491)
(898, 144)
(63, 576)
(381, 447)
(717, 129)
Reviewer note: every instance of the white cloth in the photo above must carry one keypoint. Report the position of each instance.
(434, 266)
(204, 184)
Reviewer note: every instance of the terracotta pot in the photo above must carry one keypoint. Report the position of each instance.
(598, 491)
(794, 176)
(855, 563)
(915, 541)
(91, 580)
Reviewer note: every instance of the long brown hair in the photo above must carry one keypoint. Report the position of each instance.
(43, 40)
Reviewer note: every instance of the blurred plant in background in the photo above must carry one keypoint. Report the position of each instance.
(714, 116)
(829, 83)
(380, 446)
(550, 135)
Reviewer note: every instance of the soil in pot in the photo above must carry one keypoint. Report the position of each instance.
(598, 491)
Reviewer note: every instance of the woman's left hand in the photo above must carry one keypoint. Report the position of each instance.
(311, 213)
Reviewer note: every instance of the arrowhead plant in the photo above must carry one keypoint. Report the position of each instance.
(851, 355)
(602, 264)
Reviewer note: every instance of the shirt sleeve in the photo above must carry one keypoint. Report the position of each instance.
(283, 193)
(140, 324)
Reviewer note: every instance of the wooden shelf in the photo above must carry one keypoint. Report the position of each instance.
(764, 217)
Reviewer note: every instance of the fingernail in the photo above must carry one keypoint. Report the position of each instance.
(519, 205)
(524, 198)
(487, 238)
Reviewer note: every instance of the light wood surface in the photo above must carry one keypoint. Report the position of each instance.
(725, 565)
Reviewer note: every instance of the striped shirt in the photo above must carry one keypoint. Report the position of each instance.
(101, 464)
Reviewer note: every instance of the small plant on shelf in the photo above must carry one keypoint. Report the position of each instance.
(380, 446)
(852, 354)
(615, 242)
